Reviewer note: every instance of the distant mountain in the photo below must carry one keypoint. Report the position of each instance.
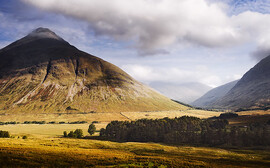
(43, 73)
(213, 95)
(185, 92)
(252, 90)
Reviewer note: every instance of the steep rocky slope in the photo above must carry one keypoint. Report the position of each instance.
(43, 73)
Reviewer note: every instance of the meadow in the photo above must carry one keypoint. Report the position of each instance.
(65, 152)
(170, 114)
(45, 146)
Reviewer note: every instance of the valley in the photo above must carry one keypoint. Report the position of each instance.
(50, 150)
(48, 86)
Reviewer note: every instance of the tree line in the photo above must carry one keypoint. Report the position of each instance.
(188, 130)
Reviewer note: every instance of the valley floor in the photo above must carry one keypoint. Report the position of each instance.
(65, 152)
(45, 147)
(102, 117)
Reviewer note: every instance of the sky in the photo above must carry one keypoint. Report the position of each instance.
(178, 41)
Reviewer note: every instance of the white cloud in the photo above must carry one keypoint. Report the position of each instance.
(148, 74)
(263, 49)
(153, 25)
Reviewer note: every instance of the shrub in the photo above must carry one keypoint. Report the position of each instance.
(24, 137)
(78, 122)
(4, 134)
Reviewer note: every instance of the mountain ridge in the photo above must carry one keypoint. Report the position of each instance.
(45, 73)
(252, 91)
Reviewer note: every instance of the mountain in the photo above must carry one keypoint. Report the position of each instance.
(252, 90)
(213, 95)
(184, 92)
(43, 73)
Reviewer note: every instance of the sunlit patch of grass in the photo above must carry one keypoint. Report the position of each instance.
(65, 152)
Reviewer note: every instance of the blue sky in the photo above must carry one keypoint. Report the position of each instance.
(208, 41)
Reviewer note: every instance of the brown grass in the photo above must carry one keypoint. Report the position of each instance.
(103, 117)
(64, 152)
(170, 114)
(47, 130)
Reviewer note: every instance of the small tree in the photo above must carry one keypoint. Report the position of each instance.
(91, 129)
(78, 133)
(65, 133)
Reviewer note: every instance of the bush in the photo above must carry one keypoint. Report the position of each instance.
(24, 137)
(4, 134)
(91, 129)
(78, 122)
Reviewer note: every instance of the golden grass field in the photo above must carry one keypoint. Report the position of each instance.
(65, 152)
(45, 146)
(170, 114)
(47, 130)
(103, 117)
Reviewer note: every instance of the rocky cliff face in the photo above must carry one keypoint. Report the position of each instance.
(43, 73)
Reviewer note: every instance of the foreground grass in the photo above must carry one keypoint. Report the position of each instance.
(64, 152)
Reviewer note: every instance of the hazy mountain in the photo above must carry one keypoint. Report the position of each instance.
(185, 92)
(213, 95)
(252, 90)
(43, 73)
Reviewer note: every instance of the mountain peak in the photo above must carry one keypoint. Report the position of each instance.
(44, 33)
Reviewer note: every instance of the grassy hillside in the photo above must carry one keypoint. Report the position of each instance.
(46, 75)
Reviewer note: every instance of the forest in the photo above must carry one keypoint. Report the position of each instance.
(188, 130)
